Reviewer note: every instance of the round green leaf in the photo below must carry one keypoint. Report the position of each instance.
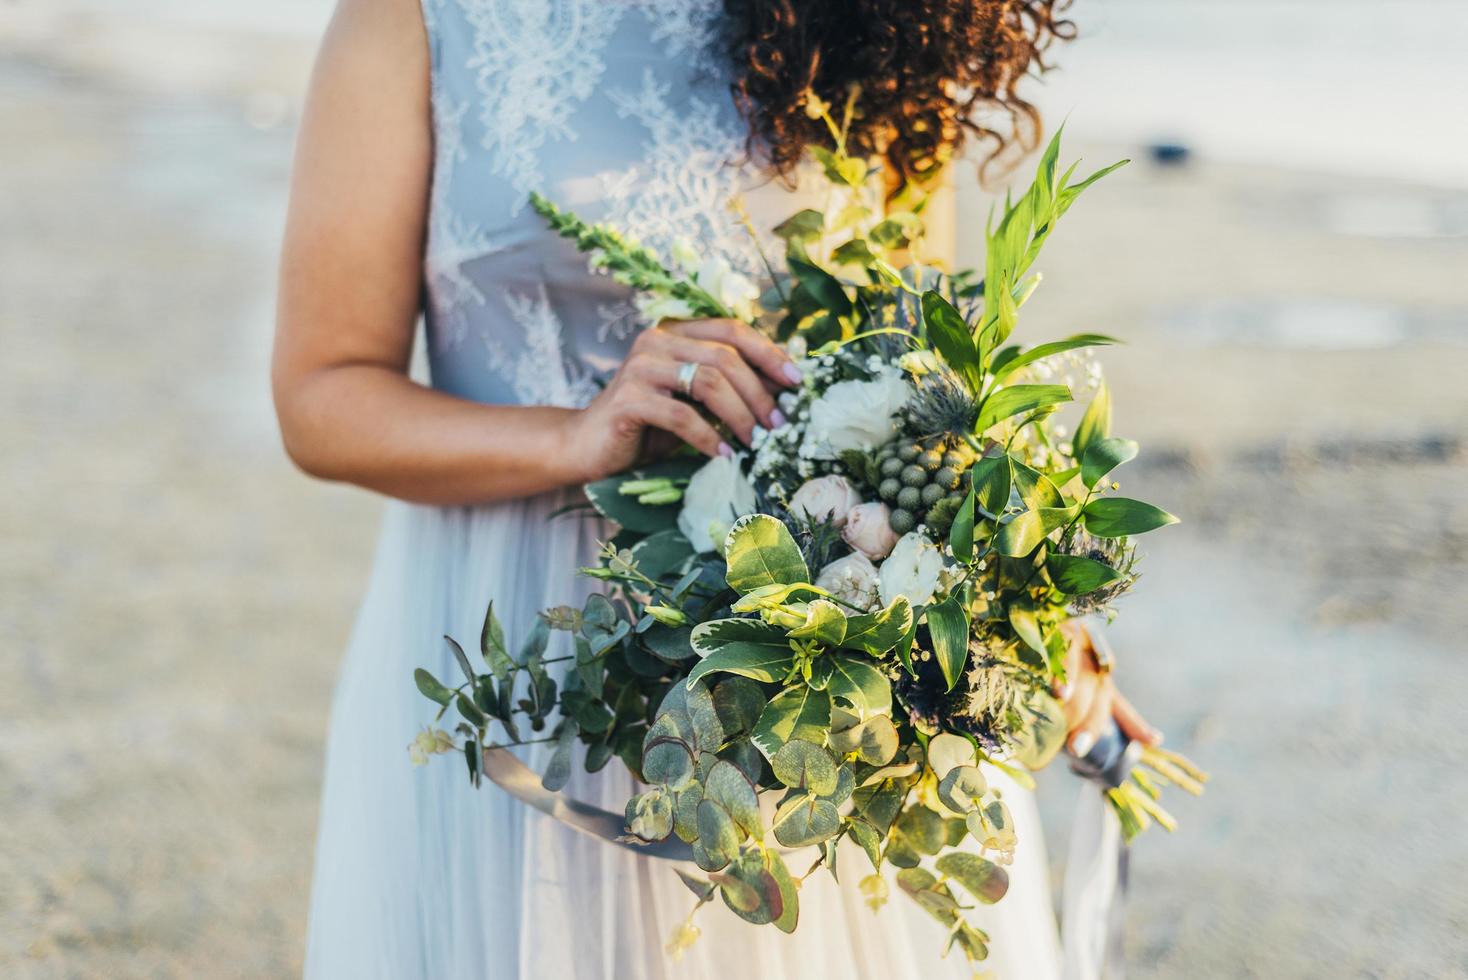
(878, 742)
(738, 702)
(667, 761)
(806, 820)
(982, 879)
(803, 765)
(718, 836)
(963, 787)
(729, 787)
(948, 750)
(650, 815)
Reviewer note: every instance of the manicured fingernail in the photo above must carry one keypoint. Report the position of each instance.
(726, 450)
(793, 373)
(1063, 692)
(777, 419)
(1154, 737)
(1082, 743)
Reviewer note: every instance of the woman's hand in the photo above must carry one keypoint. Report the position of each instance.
(739, 369)
(1090, 698)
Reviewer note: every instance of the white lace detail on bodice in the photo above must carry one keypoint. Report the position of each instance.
(614, 108)
(684, 186)
(540, 373)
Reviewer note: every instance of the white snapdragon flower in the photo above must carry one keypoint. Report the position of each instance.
(914, 569)
(852, 579)
(657, 308)
(826, 498)
(686, 257)
(856, 415)
(731, 288)
(718, 494)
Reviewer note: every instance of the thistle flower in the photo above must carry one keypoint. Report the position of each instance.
(941, 403)
(1115, 553)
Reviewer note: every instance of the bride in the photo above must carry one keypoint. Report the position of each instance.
(426, 129)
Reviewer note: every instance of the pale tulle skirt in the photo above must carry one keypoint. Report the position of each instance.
(419, 875)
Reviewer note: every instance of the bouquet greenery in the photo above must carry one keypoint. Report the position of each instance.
(856, 614)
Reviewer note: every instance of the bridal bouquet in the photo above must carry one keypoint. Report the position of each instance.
(846, 621)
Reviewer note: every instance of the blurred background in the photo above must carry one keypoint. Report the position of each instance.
(1287, 258)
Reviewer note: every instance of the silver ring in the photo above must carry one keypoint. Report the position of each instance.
(687, 371)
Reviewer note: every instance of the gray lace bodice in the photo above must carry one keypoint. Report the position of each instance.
(615, 109)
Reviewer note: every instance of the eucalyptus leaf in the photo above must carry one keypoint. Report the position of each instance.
(430, 688)
(729, 787)
(650, 815)
(789, 892)
(738, 702)
(668, 762)
(718, 836)
(963, 787)
(806, 820)
(558, 769)
(464, 666)
(804, 765)
(981, 878)
(492, 645)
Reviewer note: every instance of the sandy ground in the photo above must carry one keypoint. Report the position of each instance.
(175, 597)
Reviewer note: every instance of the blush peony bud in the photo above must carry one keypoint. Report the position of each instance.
(869, 530)
(826, 498)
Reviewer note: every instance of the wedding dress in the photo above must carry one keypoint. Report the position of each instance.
(614, 109)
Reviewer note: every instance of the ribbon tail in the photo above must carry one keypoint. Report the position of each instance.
(1095, 884)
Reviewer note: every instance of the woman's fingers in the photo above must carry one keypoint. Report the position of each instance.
(754, 346)
(681, 419)
(1098, 715)
(1131, 722)
(725, 381)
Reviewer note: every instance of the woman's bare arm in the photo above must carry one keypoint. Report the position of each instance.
(350, 284)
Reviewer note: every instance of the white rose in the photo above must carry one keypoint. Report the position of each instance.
(735, 290)
(852, 579)
(826, 498)
(718, 494)
(912, 569)
(655, 309)
(869, 530)
(856, 415)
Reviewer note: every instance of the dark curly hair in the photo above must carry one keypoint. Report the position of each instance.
(934, 74)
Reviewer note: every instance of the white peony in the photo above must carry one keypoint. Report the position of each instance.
(826, 498)
(733, 289)
(869, 530)
(913, 569)
(718, 494)
(852, 579)
(856, 415)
